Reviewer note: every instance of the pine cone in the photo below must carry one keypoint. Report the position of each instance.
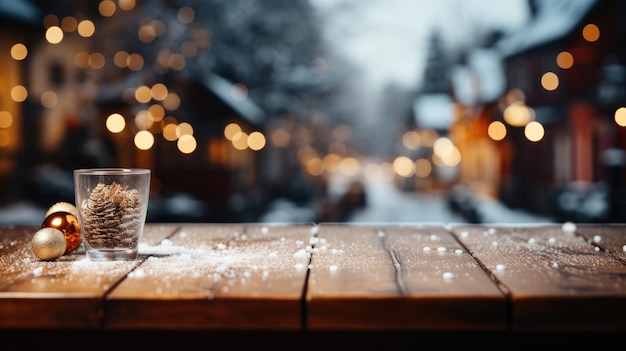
(111, 216)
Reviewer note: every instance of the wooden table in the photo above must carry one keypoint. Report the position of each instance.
(325, 285)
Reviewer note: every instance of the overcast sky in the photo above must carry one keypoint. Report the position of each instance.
(387, 38)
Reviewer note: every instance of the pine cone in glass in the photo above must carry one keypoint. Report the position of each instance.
(111, 216)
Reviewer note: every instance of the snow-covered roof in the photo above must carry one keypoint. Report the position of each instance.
(553, 21)
(22, 11)
(247, 109)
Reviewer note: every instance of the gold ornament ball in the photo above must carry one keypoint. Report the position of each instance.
(48, 244)
(67, 223)
(62, 207)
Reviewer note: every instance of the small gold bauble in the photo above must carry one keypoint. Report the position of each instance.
(62, 207)
(67, 223)
(48, 244)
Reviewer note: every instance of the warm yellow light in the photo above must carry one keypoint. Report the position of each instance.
(115, 123)
(6, 119)
(442, 145)
(146, 33)
(256, 141)
(126, 5)
(314, 166)
(54, 35)
(240, 141)
(187, 144)
(106, 8)
(411, 140)
(620, 116)
(550, 81)
(49, 99)
(184, 128)
(156, 112)
(81, 59)
(86, 28)
(231, 130)
(5, 138)
(169, 132)
(496, 130)
(518, 114)
(142, 120)
(378, 172)
(403, 166)
(159, 91)
(534, 131)
(423, 168)
(143, 94)
(69, 24)
(176, 62)
(185, 15)
(349, 166)
(120, 59)
(591, 32)
(565, 60)
(331, 162)
(172, 101)
(446, 152)
(19, 51)
(144, 140)
(96, 60)
(19, 93)
(135, 62)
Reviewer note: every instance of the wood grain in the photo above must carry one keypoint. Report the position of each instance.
(65, 293)
(399, 277)
(218, 276)
(555, 279)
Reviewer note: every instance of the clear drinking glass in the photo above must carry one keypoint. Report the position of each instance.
(111, 204)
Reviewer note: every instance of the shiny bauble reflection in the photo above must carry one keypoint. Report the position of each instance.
(67, 223)
(48, 244)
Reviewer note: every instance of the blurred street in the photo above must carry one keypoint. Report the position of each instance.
(385, 203)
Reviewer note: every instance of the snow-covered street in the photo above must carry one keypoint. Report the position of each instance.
(385, 203)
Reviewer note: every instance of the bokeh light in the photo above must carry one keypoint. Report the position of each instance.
(19, 51)
(534, 131)
(144, 140)
(496, 130)
(620, 116)
(115, 123)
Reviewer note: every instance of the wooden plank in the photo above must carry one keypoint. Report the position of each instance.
(556, 280)
(217, 276)
(65, 293)
(13, 238)
(607, 237)
(397, 277)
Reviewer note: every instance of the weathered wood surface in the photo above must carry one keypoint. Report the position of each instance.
(217, 276)
(555, 278)
(399, 277)
(327, 277)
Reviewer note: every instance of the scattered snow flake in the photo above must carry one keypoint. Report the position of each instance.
(568, 227)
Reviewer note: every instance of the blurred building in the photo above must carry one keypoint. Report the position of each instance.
(553, 142)
(19, 22)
